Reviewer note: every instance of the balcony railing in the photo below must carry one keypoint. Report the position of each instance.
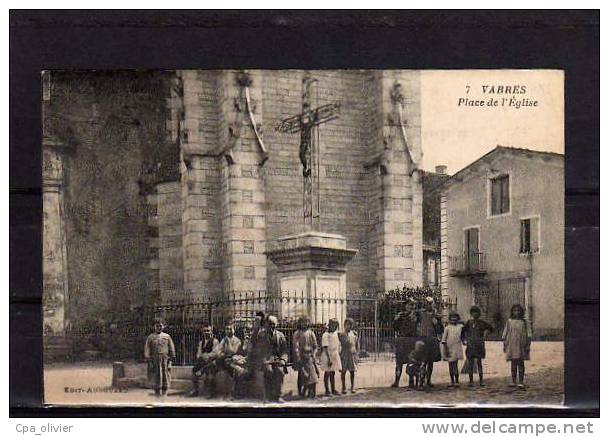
(473, 263)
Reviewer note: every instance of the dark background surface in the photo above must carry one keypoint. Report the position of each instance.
(567, 40)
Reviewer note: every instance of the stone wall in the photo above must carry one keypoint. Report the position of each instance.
(115, 125)
(170, 240)
(243, 194)
(201, 122)
(395, 195)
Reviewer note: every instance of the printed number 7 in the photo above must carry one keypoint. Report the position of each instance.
(467, 87)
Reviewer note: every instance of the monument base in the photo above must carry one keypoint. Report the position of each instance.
(312, 275)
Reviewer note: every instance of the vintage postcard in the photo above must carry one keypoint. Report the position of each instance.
(340, 238)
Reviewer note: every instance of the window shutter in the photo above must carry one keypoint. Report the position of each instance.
(495, 197)
(534, 234)
(528, 242)
(474, 240)
(500, 195)
(505, 194)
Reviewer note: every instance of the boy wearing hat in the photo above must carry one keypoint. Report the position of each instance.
(159, 350)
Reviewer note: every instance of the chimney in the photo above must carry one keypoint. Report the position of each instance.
(441, 169)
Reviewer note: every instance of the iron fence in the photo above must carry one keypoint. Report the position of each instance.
(372, 317)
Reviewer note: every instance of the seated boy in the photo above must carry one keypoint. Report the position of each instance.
(205, 356)
(416, 369)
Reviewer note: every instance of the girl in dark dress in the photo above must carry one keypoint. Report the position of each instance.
(474, 332)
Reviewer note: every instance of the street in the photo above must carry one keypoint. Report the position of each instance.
(90, 383)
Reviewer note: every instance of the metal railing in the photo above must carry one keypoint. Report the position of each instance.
(372, 316)
(473, 263)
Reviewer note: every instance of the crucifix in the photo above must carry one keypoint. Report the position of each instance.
(304, 123)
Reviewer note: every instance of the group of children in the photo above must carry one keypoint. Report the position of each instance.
(417, 346)
(471, 334)
(338, 353)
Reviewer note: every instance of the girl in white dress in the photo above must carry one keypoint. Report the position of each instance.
(330, 356)
(452, 347)
(517, 343)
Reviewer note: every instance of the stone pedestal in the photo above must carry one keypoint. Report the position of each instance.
(312, 275)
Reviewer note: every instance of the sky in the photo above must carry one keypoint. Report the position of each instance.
(456, 135)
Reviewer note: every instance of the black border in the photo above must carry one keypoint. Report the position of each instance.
(77, 39)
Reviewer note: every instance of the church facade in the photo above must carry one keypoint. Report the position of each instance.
(207, 181)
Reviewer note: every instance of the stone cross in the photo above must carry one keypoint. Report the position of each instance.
(304, 123)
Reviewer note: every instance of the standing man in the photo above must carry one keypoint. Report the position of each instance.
(159, 350)
(405, 327)
(272, 358)
(302, 340)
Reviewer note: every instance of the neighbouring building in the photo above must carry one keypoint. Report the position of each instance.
(502, 226)
(431, 225)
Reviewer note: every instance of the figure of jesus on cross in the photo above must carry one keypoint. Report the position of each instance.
(304, 123)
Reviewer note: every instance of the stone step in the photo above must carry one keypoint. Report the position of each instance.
(181, 372)
(181, 384)
(136, 377)
(142, 382)
(136, 370)
(181, 381)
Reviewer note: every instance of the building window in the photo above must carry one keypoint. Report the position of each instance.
(529, 235)
(500, 195)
